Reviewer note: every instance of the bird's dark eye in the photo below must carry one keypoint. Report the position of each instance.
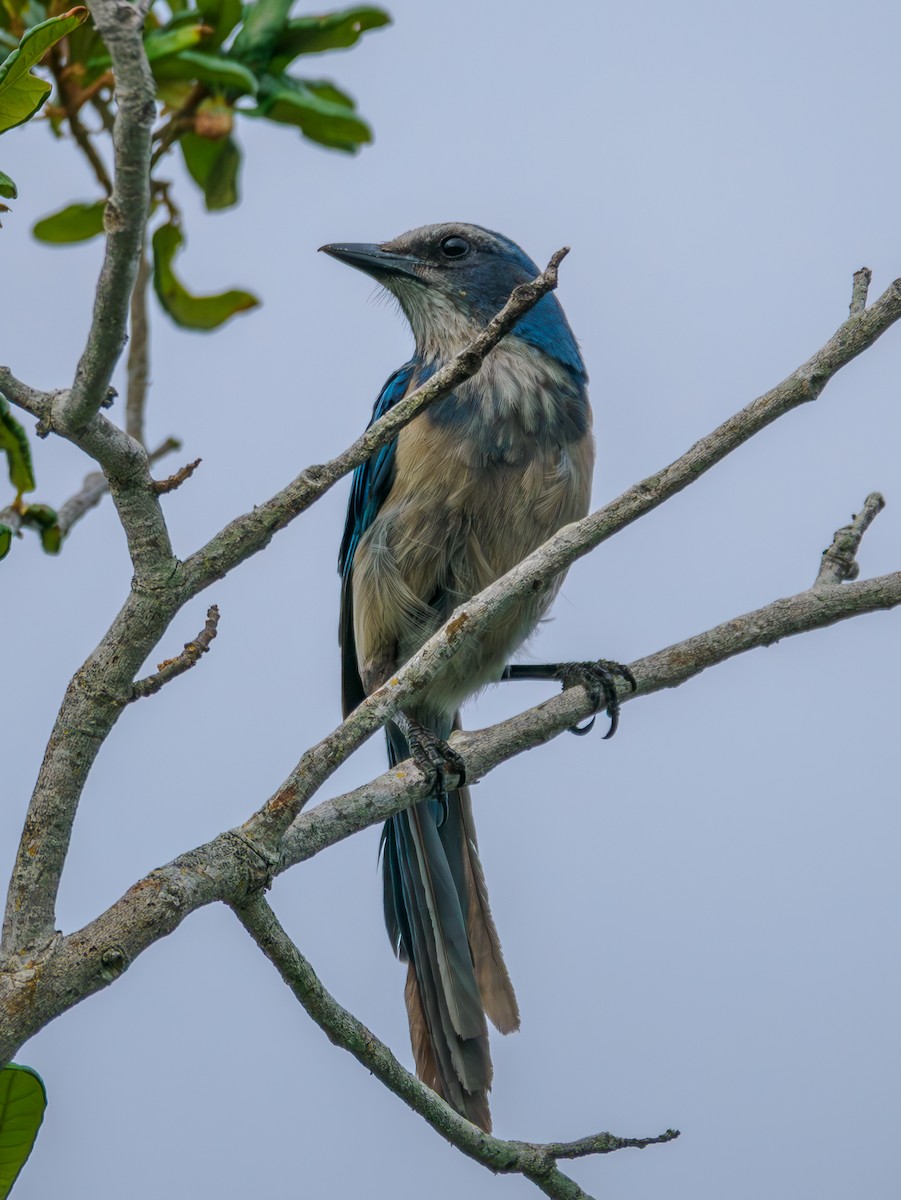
(454, 247)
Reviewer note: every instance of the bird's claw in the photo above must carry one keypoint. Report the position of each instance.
(434, 757)
(599, 680)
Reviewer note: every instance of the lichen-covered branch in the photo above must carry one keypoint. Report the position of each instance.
(28, 398)
(163, 486)
(482, 750)
(38, 988)
(188, 658)
(102, 688)
(859, 290)
(535, 1161)
(120, 24)
(138, 366)
(95, 487)
(91, 492)
(838, 562)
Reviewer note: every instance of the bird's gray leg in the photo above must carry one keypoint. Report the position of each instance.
(598, 678)
(431, 753)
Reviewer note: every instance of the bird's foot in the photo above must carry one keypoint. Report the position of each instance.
(434, 757)
(599, 680)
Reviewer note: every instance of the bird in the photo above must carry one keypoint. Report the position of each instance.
(460, 496)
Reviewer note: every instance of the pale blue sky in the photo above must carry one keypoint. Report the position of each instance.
(701, 917)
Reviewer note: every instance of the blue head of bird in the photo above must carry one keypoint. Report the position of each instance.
(451, 279)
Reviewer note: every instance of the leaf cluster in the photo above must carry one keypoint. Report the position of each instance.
(21, 92)
(215, 63)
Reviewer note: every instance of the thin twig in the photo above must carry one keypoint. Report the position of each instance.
(235, 862)
(859, 290)
(175, 480)
(535, 1161)
(336, 819)
(174, 667)
(102, 687)
(248, 534)
(138, 368)
(33, 401)
(66, 90)
(181, 120)
(100, 690)
(118, 23)
(838, 563)
(95, 487)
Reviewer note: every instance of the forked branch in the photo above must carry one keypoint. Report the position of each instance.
(535, 1161)
(244, 860)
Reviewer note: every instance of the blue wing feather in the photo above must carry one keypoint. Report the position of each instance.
(372, 479)
(371, 484)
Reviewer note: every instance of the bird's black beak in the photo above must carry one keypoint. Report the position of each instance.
(368, 257)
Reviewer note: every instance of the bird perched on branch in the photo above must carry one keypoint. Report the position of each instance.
(465, 491)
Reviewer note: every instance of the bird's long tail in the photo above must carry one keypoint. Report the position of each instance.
(439, 922)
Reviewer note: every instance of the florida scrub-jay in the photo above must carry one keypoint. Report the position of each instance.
(465, 491)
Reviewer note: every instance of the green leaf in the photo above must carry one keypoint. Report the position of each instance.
(52, 540)
(22, 1103)
(85, 43)
(18, 453)
(191, 312)
(163, 42)
(76, 223)
(21, 93)
(213, 69)
(264, 22)
(223, 15)
(7, 187)
(214, 166)
(6, 541)
(160, 43)
(40, 516)
(330, 122)
(45, 520)
(334, 31)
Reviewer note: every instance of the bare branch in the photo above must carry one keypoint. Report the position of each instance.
(30, 399)
(67, 88)
(859, 291)
(91, 492)
(120, 24)
(95, 488)
(138, 354)
(99, 692)
(103, 687)
(333, 820)
(250, 533)
(174, 667)
(180, 121)
(536, 1161)
(175, 480)
(94, 700)
(244, 860)
(838, 562)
